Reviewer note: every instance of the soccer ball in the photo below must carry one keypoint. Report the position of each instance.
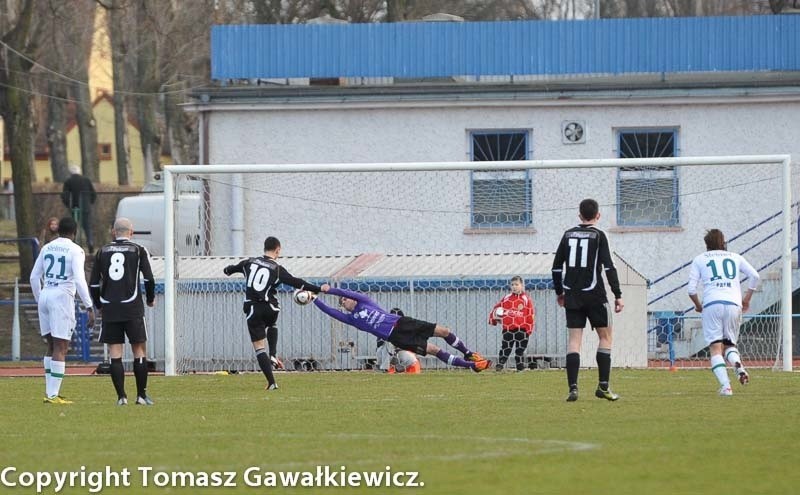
(498, 313)
(404, 360)
(302, 297)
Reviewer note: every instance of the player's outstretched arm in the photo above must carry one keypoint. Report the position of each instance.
(298, 283)
(237, 268)
(333, 313)
(357, 296)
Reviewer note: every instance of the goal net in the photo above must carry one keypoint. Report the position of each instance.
(441, 241)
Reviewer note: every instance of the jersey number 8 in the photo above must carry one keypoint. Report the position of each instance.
(116, 268)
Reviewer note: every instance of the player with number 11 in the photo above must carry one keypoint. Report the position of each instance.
(582, 256)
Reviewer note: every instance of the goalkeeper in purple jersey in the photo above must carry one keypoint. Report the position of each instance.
(402, 331)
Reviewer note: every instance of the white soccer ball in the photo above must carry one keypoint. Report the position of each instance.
(404, 360)
(302, 297)
(498, 313)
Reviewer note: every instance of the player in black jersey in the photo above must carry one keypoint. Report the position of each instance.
(582, 256)
(262, 276)
(114, 284)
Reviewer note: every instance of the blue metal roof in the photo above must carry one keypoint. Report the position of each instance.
(442, 49)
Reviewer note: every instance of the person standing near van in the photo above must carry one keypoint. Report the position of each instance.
(78, 196)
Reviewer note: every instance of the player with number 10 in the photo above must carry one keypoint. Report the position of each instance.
(114, 284)
(262, 276)
(717, 270)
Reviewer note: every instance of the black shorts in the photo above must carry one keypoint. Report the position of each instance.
(114, 332)
(260, 316)
(412, 335)
(597, 314)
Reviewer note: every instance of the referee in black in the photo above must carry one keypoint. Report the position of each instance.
(582, 256)
(114, 285)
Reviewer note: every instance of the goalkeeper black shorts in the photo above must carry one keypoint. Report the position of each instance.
(412, 335)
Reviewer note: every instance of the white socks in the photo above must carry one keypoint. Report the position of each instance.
(733, 358)
(57, 369)
(720, 371)
(47, 376)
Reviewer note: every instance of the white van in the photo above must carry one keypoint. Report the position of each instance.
(146, 212)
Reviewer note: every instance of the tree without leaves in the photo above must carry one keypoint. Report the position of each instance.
(80, 31)
(116, 11)
(147, 85)
(16, 32)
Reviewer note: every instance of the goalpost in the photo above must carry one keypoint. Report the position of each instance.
(439, 211)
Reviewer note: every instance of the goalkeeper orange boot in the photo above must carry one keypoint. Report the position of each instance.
(474, 357)
(481, 365)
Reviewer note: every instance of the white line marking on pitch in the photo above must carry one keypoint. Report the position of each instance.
(544, 447)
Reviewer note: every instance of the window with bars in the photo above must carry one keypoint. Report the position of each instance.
(500, 198)
(647, 196)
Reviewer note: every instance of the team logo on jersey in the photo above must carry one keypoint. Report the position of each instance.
(521, 307)
(362, 314)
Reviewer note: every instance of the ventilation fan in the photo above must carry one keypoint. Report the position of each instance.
(573, 132)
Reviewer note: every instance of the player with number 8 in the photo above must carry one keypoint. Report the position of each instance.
(114, 284)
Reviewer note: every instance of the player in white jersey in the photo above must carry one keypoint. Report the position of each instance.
(57, 274)
(722, 305)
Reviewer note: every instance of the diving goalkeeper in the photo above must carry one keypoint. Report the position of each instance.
(402, 331)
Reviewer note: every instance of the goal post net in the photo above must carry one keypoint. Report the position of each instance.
(442, 240)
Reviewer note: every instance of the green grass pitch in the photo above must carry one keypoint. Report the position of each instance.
(490, 433)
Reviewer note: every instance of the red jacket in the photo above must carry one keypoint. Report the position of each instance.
(518, 313)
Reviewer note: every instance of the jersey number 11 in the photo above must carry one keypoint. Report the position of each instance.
(574, 245)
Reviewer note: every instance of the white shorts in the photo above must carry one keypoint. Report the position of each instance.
(57, 314)
(720, 322)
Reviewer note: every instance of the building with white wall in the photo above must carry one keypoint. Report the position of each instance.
(505, 91)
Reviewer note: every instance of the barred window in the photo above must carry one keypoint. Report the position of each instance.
(647, 196)
(500, 198)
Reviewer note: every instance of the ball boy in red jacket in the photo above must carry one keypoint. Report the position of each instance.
(517, 315)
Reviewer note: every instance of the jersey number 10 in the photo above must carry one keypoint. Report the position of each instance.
(728, 269)
(259, 276)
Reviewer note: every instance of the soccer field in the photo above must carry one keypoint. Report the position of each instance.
(462, 433)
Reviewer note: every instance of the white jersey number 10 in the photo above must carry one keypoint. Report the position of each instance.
(728, 269)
